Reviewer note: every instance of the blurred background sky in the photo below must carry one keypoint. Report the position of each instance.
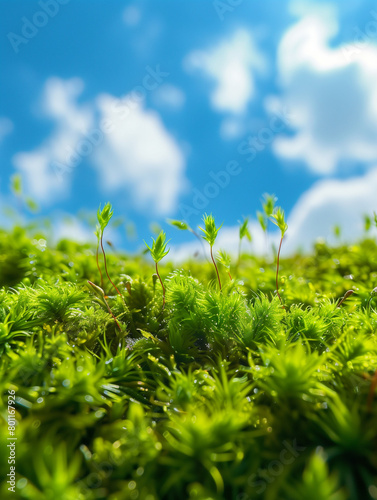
(170, 109)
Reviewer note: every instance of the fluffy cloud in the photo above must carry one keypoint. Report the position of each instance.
(71, 123)
(231, 65)
(330, 93)
(329, 203)
(134, 152)
(139, 155)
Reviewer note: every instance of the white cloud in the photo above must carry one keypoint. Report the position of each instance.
(6, 127)
(331, 97)
(139, 155)
(231, 65)
(329, 203)
(71, 123)
(169, 96)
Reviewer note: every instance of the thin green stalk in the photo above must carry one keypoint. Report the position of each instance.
(158, 252)
(217, 271)
(107, 274)
(98, 267)
(163, 288)
(277, 273)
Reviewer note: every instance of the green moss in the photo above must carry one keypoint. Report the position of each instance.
(221, 394)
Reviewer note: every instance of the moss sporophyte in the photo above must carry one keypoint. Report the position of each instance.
(158, 252)
(268, 205)
(103, 217)
(278, 219)
(210, 233)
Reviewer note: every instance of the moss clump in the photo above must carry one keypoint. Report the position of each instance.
(220, 394)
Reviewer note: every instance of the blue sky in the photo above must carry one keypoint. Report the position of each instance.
(170, 109)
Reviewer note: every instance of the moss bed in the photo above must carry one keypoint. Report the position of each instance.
(218, 395)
